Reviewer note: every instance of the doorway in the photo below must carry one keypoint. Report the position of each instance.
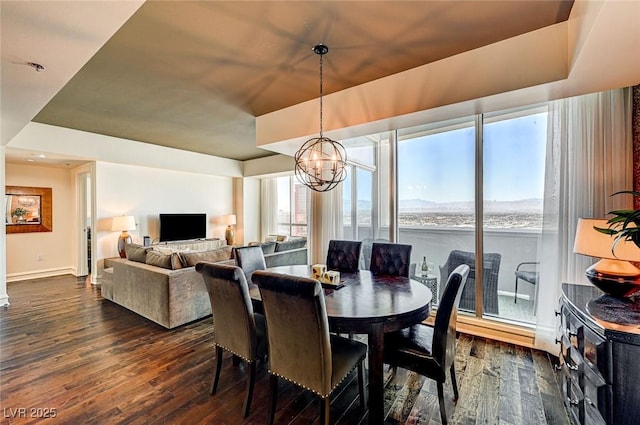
(84, 197)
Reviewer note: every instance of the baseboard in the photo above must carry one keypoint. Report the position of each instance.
(37, 274)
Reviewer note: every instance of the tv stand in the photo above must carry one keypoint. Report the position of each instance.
(194, 244)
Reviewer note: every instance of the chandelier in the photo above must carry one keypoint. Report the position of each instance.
(320, 161)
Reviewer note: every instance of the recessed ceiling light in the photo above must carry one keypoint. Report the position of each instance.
(38, 155)
(31, 160)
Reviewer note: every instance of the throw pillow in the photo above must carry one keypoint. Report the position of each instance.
(155, 258)
(136, 252)
(190, 259)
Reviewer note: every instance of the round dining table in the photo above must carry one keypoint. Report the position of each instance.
(364, 303)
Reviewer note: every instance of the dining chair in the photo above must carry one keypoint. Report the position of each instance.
(367, 244)
(430, 351)
(390, 259)
(301, 349)
(236, 328)
(344, 256)
(249, 259)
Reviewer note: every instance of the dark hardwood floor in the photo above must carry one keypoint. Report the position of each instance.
(67, 352)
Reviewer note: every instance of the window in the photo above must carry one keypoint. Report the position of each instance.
(436, 196)
(437, 214)
(292, 207)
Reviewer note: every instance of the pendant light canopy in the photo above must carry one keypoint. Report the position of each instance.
(320, 161)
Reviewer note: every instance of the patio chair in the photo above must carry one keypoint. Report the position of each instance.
(491, 267)
(523, 271)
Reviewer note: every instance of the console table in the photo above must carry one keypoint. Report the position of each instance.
(599, 356)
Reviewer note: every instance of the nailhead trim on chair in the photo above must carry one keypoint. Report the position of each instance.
(313, 391)
(233, 352)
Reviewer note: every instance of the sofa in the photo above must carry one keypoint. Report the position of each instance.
(161, 283)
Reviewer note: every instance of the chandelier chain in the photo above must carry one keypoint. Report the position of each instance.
(321, 55)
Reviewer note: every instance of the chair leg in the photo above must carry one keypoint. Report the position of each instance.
(273, 398)
(216, 374)
(454, 383)
(515, 296)
(325, 411)
(250, 381)
(363, 401)
(443, 413)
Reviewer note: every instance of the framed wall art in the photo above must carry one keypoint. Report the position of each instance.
(28, 209)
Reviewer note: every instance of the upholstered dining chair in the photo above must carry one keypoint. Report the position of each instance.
(249, 259)
(301, 349)
(430, 351)
(235, 326)
(344, 256)
(391, 259)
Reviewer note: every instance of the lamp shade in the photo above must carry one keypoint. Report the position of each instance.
(593, 243)
(229, 219)
(123, 223)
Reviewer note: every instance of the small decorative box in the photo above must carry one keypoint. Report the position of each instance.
(317, 271)
(332, 277)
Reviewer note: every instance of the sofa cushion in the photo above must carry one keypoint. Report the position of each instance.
(166, 261)
(191, 258)
(292, 243)
(136, 252)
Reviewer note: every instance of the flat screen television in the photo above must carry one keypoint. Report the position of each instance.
(182, 227)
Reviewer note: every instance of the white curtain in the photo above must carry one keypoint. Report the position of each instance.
(325, 222)
(589, 157)
(269, 207)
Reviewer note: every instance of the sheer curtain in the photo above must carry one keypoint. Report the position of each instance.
(325, 222)
(269, 207)
(589, 157)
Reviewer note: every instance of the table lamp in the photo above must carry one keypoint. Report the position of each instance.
(229, 220)
(613, 273)
(123, 223)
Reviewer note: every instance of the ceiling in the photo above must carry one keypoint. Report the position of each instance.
(194, 75)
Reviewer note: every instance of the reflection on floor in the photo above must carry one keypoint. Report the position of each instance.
(522, 311)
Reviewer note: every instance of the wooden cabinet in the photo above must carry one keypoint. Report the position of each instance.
(599, 355)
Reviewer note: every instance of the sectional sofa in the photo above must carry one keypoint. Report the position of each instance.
(162, 284)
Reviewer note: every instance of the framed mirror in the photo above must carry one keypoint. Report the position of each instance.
(28, 209)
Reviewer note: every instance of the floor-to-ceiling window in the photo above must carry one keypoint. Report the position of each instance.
(436, 192)
(291, 206)
(464, 186)
(513, 147)
(443, 168)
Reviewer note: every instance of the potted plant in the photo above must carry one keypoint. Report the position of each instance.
(625, 224)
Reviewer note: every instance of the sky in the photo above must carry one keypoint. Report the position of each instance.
(440, 167)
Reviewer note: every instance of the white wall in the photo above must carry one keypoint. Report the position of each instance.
(55, 247)
(4, 297)
(146, 192)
